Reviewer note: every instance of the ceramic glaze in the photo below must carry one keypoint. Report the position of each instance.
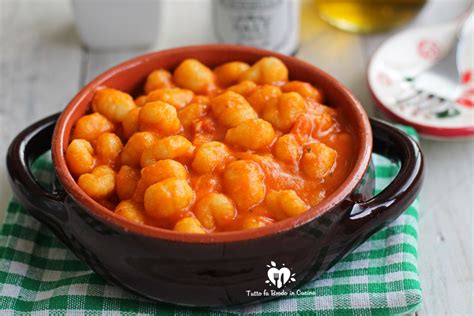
(215, 269)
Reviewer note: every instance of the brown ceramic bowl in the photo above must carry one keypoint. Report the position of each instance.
(214, 269)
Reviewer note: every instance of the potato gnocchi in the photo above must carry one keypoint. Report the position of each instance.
(203, 150)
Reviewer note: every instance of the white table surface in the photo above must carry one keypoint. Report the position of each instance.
(42, 65)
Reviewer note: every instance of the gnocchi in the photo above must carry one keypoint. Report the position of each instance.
(126, 182)
(171, 147)
(209, 156)
(304, 89)
(263, 96)
(285, 203)
(192, 113)
(189, 225)
(193, 75)
(91, 126)
(161, 170)
(206, 150)
(287, 149)
(159, 117)
(132, 211)
(243, 181)
(318, 160)
(130, 123)
(283, 114)
(79, 157)
(267, 70)
(215, 209)
(113, 104)
(252, 134)
(108, 148)
(255, 221)
(168, 198)
(136, 145)
(178, 98)
(231, 109)
(99, 183)
(229, 73)
(243, 88)
(158, 79)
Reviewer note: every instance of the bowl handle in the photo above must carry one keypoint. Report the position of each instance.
(394, 144)
(45, 206)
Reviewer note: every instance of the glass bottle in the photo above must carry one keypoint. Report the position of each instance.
(269, 24)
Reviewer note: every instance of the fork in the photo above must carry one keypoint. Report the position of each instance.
(434, 90)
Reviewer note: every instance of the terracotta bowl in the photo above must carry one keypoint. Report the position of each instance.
(215, 269)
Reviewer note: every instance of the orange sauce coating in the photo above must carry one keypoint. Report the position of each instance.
(203, 151)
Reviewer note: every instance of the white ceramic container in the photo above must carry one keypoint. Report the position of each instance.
(115, 24)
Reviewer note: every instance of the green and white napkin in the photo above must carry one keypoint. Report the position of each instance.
(39, 275)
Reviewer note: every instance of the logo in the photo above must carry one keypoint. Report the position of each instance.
(279, 277)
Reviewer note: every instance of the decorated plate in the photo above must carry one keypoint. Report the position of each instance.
(424, 78)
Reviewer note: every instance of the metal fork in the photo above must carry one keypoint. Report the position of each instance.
(434, 90)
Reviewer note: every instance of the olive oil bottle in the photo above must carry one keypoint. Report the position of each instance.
(368, 16)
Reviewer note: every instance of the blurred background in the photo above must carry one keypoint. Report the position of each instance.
(49, 49)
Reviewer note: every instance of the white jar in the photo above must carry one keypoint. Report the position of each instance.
(111, 24)
(269, 24)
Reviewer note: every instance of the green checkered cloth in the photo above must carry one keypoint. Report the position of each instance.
(39, 275)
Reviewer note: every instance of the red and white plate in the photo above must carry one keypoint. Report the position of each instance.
(409, 54)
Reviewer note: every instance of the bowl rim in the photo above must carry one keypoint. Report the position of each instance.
(106, 216)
